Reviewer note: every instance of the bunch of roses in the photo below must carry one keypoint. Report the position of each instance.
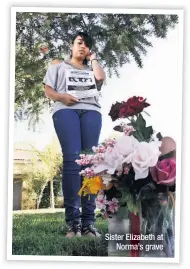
(130, 151)
(131, 107)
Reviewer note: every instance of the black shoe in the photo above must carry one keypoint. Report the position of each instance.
(90, 230)
(74, 229)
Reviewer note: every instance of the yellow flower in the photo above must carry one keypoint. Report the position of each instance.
(91, 186)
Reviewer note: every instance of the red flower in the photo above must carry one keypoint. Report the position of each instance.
(132, 106)
(114, 111)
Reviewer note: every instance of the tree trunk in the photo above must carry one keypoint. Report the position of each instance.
(52, 200)
(40, 196)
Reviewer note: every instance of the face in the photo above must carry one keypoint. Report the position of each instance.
(79, 48)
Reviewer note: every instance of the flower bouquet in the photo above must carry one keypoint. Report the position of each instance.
(133, 177)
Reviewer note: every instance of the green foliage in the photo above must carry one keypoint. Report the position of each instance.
(159, 136)
(127, 202)
(35, 177)
(44, 167)
(29, 94)
(119, 37)
(44, 234)
(141, 133)
(45, 201)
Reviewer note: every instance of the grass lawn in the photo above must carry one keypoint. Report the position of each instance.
(43, 234)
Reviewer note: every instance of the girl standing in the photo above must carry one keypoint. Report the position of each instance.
(74, 86)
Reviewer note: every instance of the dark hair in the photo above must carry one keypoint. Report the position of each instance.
(88, 42)
(86, 37)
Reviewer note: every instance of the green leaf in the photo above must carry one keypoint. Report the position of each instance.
(128, 199)
(159, 136)
(147, 132)
(87, 152)
(133, 124)
(137, 136)
(140, 122)
(168, 155)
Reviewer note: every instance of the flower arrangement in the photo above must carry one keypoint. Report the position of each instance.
(135, 172)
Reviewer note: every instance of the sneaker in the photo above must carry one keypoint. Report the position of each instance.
(90, 230)
(74, 229)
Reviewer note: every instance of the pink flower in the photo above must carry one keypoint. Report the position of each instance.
(99, 149)
(103, 147)
(90, 159)
(110, 142)
(113, 205)
(127, 130)
(88, 172)
(101, 201)
(164, 172)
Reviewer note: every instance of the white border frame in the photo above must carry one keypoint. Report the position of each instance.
(180, 13)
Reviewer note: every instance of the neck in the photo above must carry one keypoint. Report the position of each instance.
(76, 61)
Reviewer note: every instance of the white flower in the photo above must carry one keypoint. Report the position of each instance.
(112, 161)
(114, 156)
(125, 145)
(145, 155)
(106, 179)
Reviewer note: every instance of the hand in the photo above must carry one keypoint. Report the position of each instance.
(68, 99)
(91, 56)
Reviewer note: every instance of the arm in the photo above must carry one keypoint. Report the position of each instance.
(98, 70)
(50, 84)
(67, 99)
(52, 94)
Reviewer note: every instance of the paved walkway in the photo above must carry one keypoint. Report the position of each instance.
(36, 211)
(42, 210)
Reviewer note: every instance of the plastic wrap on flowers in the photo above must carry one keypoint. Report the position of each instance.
(156, 223)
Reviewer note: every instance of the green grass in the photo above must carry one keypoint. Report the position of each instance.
(44, 234)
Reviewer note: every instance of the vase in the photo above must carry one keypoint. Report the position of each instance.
(149, 233)
(118, 227)
(157, 226)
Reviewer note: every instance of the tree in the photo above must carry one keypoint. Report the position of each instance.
(52, 160)
(29, 95)
(118, 38)
(36, 176)
(43, 169)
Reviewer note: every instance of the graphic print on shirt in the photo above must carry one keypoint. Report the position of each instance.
(81, 83)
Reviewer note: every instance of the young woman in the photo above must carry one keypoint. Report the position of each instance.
(74, 86)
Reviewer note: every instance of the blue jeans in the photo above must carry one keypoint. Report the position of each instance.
(77, 130)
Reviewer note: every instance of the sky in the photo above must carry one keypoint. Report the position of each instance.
(158, 81)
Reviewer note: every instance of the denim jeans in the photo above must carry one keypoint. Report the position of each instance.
(77, 130)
